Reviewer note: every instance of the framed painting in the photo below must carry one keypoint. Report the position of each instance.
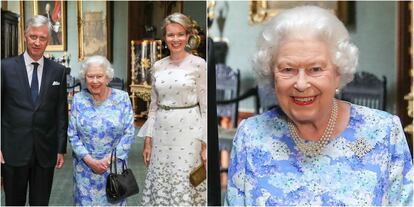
(55, 11)
(263, 10)
(94, 29)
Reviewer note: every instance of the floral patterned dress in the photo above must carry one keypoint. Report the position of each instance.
(369, 163)
(176, 134)
(96, 130)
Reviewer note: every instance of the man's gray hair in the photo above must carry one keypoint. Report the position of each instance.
(37, 21)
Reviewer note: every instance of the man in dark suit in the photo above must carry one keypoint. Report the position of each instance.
(34, 119)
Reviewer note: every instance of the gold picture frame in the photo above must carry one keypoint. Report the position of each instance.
(94, 29)
(22, 46)
(262, 10)
(55, 11)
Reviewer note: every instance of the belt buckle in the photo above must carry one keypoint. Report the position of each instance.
(167, 108)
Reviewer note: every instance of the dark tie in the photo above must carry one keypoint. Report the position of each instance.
(35, 82)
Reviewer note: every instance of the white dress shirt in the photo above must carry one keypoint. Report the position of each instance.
(29, 68)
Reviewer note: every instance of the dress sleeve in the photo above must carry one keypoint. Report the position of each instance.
(77, 145)
(202, 97)
(236, 191)
(399, 191)
(127, 139)
(148, 127)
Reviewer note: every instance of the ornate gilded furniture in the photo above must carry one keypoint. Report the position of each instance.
(405, 69)
(195, 39)
(144, 53)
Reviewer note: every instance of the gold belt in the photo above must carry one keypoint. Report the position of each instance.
(176, 107)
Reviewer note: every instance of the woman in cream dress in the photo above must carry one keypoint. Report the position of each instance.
(175, 132)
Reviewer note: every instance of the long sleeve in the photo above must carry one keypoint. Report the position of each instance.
(202, 97)
(77, 145)
(148, 127)
(62, 115)
(400, 181)
(127, 138)
(236, 192)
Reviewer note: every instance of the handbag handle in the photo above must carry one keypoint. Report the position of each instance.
(113, 157)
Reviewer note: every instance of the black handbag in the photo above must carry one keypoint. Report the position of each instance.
(120, 186)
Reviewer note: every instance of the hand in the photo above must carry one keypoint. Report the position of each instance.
(146, 153)
(204, 154)
(60, 161)
(97, 166)
(1, 158)
(107, 158)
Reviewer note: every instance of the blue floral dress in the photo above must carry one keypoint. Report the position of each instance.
(96, 130)
(369, 163)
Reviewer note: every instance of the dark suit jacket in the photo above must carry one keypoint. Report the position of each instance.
(29, 128)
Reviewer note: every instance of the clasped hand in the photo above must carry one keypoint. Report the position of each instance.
(98, 166)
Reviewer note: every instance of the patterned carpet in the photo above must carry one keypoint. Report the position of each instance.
(62, 194)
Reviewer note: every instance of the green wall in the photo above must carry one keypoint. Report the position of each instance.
(374, 34)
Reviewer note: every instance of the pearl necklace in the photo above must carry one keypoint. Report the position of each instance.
(314, 149)
(100, 102)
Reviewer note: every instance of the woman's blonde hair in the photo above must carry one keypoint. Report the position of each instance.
(180, 19)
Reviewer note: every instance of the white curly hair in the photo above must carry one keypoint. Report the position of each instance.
(300, 23)
(98, 60)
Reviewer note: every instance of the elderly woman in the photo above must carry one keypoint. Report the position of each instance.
(175, 132)
(314, 149)
(101, 120)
